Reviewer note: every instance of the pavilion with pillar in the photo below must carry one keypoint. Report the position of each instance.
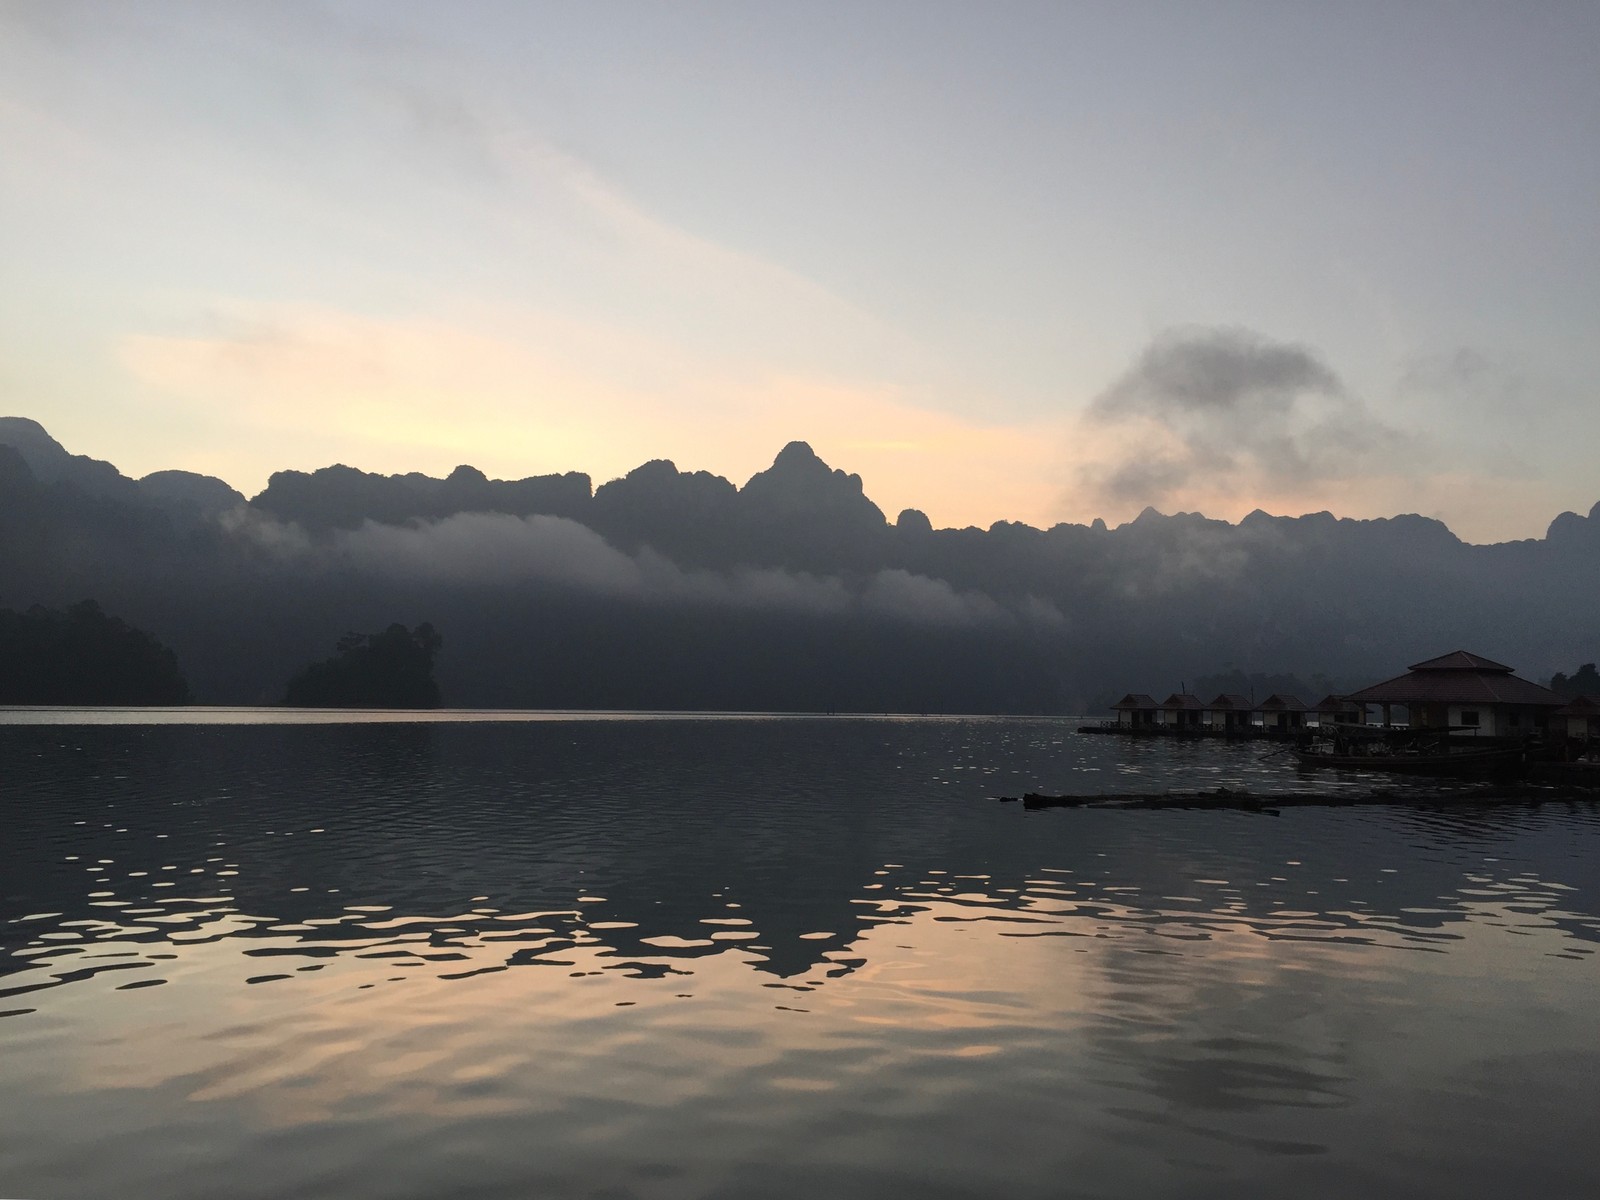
(1465, 693)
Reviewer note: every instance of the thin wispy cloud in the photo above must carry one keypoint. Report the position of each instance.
(780, 221)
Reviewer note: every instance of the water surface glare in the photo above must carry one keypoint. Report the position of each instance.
(713, 957)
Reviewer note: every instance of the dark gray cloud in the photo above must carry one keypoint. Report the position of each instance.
(1218, 370)
(1236, 409)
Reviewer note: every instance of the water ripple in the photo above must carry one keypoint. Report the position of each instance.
(777, 958)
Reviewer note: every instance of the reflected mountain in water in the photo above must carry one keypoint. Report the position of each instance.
(780, 957)
(455, 850)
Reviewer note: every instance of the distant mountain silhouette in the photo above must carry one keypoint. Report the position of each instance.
(50, 462)
(341, 497)
(184, 489)
(693, 518)
(799, 514)
(820, 516)
(672, 588)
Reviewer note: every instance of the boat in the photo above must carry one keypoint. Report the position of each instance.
(1414, 751)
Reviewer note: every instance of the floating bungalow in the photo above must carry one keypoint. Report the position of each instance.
(1179, 713)
(1465, 715)
(1136, 711)
(1458, 693)
(1338, 710)
(1464, 693)
(1183, 711)
(1458, 714)
(1579, 720)
(1230, 714)
(1282, 713)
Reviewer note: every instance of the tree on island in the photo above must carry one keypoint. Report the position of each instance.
(392, 669)
(1585, 681)
(81, 655)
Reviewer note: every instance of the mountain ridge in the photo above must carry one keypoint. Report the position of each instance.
(670, 588)
(341, 496)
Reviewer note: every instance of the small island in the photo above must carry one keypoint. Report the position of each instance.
(392, 669)
(81, 655)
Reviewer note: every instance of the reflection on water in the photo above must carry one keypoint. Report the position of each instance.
(716, 957)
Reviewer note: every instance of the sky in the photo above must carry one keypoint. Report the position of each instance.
(1034, 262)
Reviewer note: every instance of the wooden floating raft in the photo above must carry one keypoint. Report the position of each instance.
(1244, 801)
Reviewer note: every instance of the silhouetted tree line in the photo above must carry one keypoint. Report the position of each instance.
(1258, 686)
(81, 655)
(392, 669)
(1585, 681)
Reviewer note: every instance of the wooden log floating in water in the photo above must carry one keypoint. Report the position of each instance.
(1244, 801)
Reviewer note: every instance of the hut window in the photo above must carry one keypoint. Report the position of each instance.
(1469, 716)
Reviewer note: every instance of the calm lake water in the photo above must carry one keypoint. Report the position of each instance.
(770, 958)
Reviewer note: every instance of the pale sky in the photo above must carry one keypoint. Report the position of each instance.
(1007, 261)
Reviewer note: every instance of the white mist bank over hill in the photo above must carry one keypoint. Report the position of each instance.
(667, 588)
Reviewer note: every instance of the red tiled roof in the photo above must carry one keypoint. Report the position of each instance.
(1229, 700)
(1135, 700)
(1332, 703)
(1458, 686)
(1277, 702)
(1581, 706)
(1459, 660)
(1182, 700)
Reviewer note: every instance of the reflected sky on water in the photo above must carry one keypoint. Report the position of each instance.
(771, 957)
